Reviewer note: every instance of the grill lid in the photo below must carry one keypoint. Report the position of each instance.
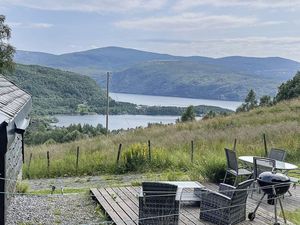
(273, 178)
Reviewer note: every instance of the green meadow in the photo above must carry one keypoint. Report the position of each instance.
(171, 146)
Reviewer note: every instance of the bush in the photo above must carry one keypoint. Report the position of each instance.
(135, 158)
(290, 89)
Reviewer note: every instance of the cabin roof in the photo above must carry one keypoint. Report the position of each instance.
(12, 99)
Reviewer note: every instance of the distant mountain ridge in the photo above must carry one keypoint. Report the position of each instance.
(141, 72)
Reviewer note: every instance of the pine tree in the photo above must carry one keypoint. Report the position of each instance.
(188, 114)
(6, 50)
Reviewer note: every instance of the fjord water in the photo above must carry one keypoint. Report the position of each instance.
(132, 121)
(152, 100)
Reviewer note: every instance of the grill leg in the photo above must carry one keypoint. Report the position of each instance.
(260, 201)
(275, 209)
(280, 203)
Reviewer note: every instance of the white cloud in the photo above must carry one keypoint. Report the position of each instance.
(30, 25)
(193, 21)
(89, 5)
(182, 5)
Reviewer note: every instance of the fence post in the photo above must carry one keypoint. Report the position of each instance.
(119, 153)
(48, 163)
(265, 145)
(192, 151)
(234, 145)
(149, 150)
(77, 159)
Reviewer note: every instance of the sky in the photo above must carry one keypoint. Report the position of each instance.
(214, 28)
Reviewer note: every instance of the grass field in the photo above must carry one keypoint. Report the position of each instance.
(171, 146)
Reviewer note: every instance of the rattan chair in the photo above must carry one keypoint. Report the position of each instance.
(277, 154)
(158, 204)
(228, 206)
(233, 167)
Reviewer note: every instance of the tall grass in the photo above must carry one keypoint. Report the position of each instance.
(171, 146)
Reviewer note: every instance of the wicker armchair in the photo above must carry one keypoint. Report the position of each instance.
(158, 204)
(228, 206)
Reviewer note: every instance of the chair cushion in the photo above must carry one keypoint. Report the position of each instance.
(244, 172)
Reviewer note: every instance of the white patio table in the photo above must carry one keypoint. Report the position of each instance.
(279, 165)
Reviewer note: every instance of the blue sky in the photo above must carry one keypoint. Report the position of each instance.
(214, 28)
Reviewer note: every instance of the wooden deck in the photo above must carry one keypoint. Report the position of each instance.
(121, 205)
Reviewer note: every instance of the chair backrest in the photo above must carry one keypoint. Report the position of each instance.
(240, 194)
(232, 162)
(277, 154)
(159, 205)
(261, 164)
(155, 190)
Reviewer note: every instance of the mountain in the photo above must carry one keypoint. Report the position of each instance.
(100, 59)
(189, 79)
(135, 71)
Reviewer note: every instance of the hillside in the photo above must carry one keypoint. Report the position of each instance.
(201, 73)
(55, 91)
(190, 79)
(170, 146)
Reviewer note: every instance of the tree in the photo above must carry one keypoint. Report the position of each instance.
(188, 114)
(209, 115)
(6, 50)
(250, 102)
(265, 101)
(290, 89)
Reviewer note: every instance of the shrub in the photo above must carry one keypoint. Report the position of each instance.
(135, 157)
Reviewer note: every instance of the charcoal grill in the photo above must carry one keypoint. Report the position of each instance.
(274, 185)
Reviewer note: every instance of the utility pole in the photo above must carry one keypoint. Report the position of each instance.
(107, 98)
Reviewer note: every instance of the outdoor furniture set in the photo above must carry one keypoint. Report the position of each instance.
(159, 202)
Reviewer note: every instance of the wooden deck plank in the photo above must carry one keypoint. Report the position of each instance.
(129, 195)
(107, 207)
(117, 208)
(121, 201)
(130, 213)
(131, 203)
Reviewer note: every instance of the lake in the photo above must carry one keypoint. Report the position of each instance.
(115, 121)
(132, 121)
(153, 100)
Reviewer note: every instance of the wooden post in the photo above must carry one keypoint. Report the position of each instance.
(192, 151)
(77, 159)
(119, 153)
(234, 145)
(48, 163)
(265, 145)
(149, 150)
